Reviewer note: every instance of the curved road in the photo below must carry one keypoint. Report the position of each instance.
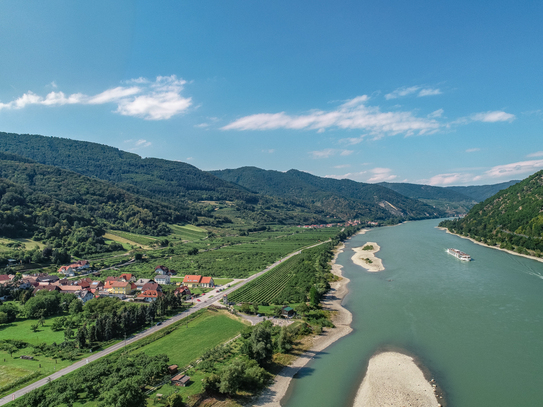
(94, 356)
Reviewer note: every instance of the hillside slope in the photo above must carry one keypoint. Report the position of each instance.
(343, 198)
(513, 218)
(481, 192)
(114, 207)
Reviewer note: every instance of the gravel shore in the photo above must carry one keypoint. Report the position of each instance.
(367, 258)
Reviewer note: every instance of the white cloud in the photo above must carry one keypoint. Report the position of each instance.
(403, 91)
(353, 114)
(342, 166)
(492, 117)
(156, 100)
(508, 170)
(328, 152)
(143, 143)
(202, 125)
(472, 150)
(436, 113)
(376, 175)
(429, 92)
(536, 154)
(448, 179)
(269, 151)
(381, 175)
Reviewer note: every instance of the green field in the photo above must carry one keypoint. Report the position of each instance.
(132, 237)
(20, 330)
(268, 286)
(188, 232)
(188, 342)
(223, 281)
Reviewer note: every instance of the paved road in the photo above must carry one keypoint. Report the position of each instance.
(94, 356)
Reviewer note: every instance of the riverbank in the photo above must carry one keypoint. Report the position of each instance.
(492, 247)
(342, 319)
(394, 379)
(365, 257)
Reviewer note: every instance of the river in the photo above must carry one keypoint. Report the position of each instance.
(476, 326)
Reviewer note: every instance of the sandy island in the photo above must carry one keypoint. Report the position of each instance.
(367, 258)
(342, 321)
(393, 379)
(492, 247)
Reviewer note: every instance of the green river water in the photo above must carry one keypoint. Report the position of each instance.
(476, 326)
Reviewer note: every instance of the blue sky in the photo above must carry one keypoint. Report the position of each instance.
(445, 93)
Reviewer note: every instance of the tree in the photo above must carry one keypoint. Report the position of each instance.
(68, 333)
(75, 307)
(232, 376)
(3, 318)
(302, 308)
(260, 343)
(245, 308)
(58, 324)
(41, 321)
(314, 297)
(255, 307)
(127, 393)
(34, 327)
(81, 337)
(284, 341)
(175, 400)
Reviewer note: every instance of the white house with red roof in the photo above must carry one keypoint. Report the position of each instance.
(198, 281)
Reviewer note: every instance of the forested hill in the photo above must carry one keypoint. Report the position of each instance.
(153, 177)
(417, 191)
(113, 207)
(481, 192)
(344, 198)
(513, 218)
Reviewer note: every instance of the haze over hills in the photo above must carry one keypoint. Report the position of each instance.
(512, 218)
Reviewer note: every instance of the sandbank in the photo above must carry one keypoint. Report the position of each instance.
(342, 318)
(367, 258)
(492, 247)
(393, 379)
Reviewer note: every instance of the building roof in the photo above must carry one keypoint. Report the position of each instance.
(162, 277)
(150, 294)
(192, 279)
(162, 268)
(120, 284)
(111, 278)
(49, 287)
(183, 378)
(5, 277)
(70, 287)
(126, 276)
(206, 280)
(151, 285)
(142, 281)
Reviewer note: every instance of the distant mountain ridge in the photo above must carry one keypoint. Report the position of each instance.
(344, 198)
(512, 218)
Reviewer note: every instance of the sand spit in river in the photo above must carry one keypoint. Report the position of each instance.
(394, 380)
(366, 258)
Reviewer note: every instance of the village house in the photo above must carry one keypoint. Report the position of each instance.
(127, 277)
(47, 279)
(84, 295)
(119, 287)
(96, 285)
(161, 270)
(180, 380)
(287, 312)
(49, 287)
(72, 269)
(198, 281)
(151, 285)
(149, 295)
(163, 279)
(6, 278)
(141, 282)
(70, 288)
(183, 291)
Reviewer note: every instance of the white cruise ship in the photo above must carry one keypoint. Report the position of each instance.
(459, 255)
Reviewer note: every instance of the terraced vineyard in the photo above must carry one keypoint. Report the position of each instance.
(269, 286)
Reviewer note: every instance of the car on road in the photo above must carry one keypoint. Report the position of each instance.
(198, 300)
(158, 323)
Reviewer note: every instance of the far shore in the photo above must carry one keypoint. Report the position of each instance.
(367, 258)
(492, 247)
(394, 379)
(271, 397)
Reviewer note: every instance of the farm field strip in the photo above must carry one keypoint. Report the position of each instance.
(132, 237)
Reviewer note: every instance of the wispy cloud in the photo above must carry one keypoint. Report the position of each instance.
(508, 170)
(436, 113)
(405, 91)
(448, 179)
(429, 92)
(472, 150)
(269, 151)
(382, 175)
(536, 154)
(342, 166)
(492, 117)
(329, 152)
(353, 114)
(375, 175)
(150, 100)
